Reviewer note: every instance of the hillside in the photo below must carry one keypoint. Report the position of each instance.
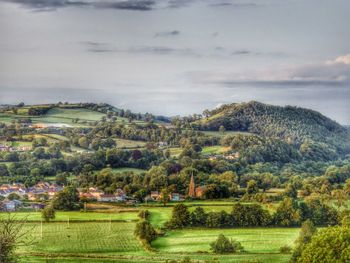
(292, 124)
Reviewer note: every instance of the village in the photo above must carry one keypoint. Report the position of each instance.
(17, 196)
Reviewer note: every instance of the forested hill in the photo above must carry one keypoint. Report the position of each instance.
(292, 124)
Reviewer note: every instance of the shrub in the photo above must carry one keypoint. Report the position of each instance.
(223, 245)
(144, 230)
(285, 249)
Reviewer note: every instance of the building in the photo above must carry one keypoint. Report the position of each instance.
(10, 205)
(191, 188)
(200, 191)
(106, 198)
(120, 196)
(155, 195)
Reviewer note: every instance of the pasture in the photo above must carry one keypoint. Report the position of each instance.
(78, 216)
(108, 237)
(87, 237)
(254, 240)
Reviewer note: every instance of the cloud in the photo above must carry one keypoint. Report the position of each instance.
(234, 4)
(98, 47)
(167, 33)
(48, 5)
(333, 73)
(341, 60)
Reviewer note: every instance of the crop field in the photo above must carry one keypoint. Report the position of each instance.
(102, 240)
(102, 237)
(77, 216)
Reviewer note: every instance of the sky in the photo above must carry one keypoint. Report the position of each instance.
(177, 57)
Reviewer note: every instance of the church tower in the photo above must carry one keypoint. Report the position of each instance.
(191, 188)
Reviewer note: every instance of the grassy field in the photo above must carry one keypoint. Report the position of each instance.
(254, 240)
(77, 216)
(214, 150)
(223, 134)
(127, 169)
(84, 237)
(129, 144)
(91, 237)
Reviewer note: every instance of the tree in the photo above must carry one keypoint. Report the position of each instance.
(13, 234)
(67, 199)
(180, 217)
(223, 245)
(222, 129)
(252, 187)
(306, 232)
(331, 244)
(198, 217)
(144, 230)
(287, 213)
(165, 196)
(48, 213)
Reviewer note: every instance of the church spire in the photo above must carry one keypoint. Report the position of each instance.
(191, 188)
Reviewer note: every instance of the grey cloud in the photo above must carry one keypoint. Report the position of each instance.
(43, 5)
(167, 33)
(312, 75)
(233, 4)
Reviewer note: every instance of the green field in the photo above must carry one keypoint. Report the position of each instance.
(127, 169)
(214, 150)
(77, 216)
(129, 144)
(254, 240)
(220, 134)
(84, 237)
(92, 237)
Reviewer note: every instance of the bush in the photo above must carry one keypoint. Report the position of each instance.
(223, 245)
(144, 214)
(285, 249)
(144, 230)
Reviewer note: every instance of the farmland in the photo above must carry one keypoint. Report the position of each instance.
(114, 241)
(254, 240)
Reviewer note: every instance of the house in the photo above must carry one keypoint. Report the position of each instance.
(37, 206)
(155, 195)
(120, 195)
(162, 144)
(200, 191)
(24, 148)
(87, 196)
(95, 192)
(175, 197)
(11, 205)
(232, 156)
(106, 198)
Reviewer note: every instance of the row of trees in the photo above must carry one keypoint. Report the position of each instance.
(288, 213)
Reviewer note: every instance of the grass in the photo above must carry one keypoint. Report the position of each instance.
(214, 150)
(220, 134)
(77, 216)
(127, 169)
(254, 240)
(175, 151)
(102, 241)
(129, 144)
(85, 237)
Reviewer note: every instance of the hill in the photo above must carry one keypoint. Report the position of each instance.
(293, 125)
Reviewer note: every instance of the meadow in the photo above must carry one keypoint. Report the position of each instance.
(78, 216)
(254, 240)
(108, 237)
